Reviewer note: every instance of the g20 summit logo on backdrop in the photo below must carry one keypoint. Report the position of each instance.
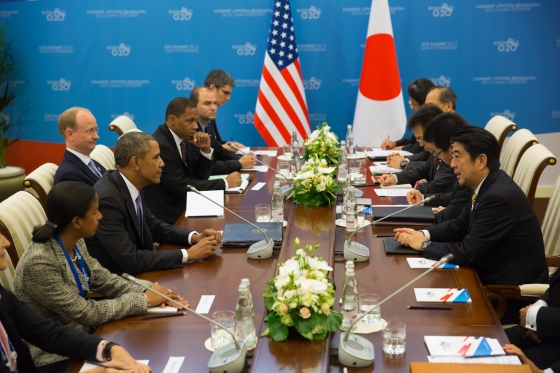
(60, 85)
(246, 49)
(509, 45)
(312, 84)
(247, 118)
(56, 15)
(116, 13)
(121, 50)
(506, 113)
(311, 13)
(445, 10)
(186, 84)
(8, 13)
(507, 7)
(442, 81)
(181, 15)
(253, 12)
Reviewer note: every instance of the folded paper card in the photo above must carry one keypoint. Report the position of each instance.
(446, 295)
(463, 346)
(197, 205)
(428, 263)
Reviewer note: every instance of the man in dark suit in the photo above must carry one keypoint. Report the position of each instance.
(124, 239)
(18, 321)
(498, 233)
(433, 176)
(226, 161)
(167, 200)
(78, 128)
(538, 334)
(438, 136)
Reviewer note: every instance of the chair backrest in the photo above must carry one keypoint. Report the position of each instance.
(19, 215)
(500, 126)
(40, 182)
(512, 152)
(551, 223)
(122, 124)
(7, 275)
(530, 168)
(103, 155)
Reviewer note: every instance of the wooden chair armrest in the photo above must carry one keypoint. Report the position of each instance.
(553, 261)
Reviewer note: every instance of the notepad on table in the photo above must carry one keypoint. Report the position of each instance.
(377, 153)
(199, 206)
(380, 170)
(391, 192)
(245, 178)
(463, 346)
(428, 263)
(396, 186)
(442, 295)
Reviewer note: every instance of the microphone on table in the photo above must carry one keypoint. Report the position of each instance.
(356, 351)
(259, 250)
(285, 189)
(230, 358)
(360, 253)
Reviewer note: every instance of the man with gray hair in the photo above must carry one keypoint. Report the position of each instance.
(222, 84)
(78, 128)
(125, 236)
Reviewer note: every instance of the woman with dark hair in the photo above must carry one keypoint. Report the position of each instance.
(56, 274)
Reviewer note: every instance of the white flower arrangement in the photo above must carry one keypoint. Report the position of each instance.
(322, 143)
(315, 184)
(301, 296)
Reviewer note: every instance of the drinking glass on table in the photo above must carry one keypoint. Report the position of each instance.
(394, 338)
(288, 150)
(262, 213)
(218, 336)
(369, 302)
(359, 175)
(284, 168)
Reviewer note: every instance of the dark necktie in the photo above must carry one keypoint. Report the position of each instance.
(183, 153)
(94, 168)
(140, 215)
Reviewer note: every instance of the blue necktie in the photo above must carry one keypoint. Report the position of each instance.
(94, 168)
(140, 215)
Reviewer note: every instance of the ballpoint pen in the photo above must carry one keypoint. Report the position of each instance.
(162, 316)
(429, 308)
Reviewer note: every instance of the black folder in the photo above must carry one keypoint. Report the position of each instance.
(394, 247)
(244, 235)
(416, 214)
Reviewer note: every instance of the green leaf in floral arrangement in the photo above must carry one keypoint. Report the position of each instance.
(278, 331)
(321, 321)
(266, 333)
(320, 336)
(304, 326)
(269, 300)
(334, 320)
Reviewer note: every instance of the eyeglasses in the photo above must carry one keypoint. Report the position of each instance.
(91, 131)
(227, 93)
(420, 139)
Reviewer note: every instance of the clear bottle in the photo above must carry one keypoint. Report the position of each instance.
(296, 158)
(349, 299)
(244, 323)
(277, 203)
(351, 210)
(342, 162)
(350, 148)
(248, 284)
(349, 264)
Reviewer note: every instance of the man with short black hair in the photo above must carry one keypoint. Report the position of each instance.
(78, 128)
(498, 233)
(124, 239)
(433, 176)
(438, 136)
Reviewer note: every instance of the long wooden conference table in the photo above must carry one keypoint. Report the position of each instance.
(220, 274)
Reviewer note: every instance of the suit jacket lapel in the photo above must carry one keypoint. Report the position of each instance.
(169, 136)
(130, 204)
(483, 188)
(78, 163)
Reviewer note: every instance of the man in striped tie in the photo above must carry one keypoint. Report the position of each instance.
(79, 129)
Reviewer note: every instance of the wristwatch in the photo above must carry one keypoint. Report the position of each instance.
(424, 244)
(107, 350)
(403, 163)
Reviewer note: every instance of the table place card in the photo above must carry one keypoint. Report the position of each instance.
(428, 263)
(463, 346)
(258, 186)
(445, 295)
(391, 192)
(174, 364)
(166, 309)
(255, 168)
(88, 366)
(197, 205)
(505, 360)
(205, 304)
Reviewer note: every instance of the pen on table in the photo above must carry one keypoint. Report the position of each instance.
(388, 177)
(429, 308)
(162, 316)
(384, 235)
(101, 365)
(365, 185)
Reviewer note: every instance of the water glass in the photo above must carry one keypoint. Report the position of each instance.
(218, 336)
(288, 150)
(361, 216)
(369, 302)
(394, 338)
(262, 213)
(358, 175)
(284, 168)
(354, 165)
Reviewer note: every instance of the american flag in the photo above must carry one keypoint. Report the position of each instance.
(281, 106)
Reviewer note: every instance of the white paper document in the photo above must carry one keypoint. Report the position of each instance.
(396, 186)
(255, 168)
(463, 346)
(158, 309)
(383, 169)
(88, 366)
(428, 263)
(268, 153)
(506, 360)
(200, 206)
(205, 304)
(391, 192)
(258, 186)
(378, 153)
(244, 150)
(442, 295)
(174, 364)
